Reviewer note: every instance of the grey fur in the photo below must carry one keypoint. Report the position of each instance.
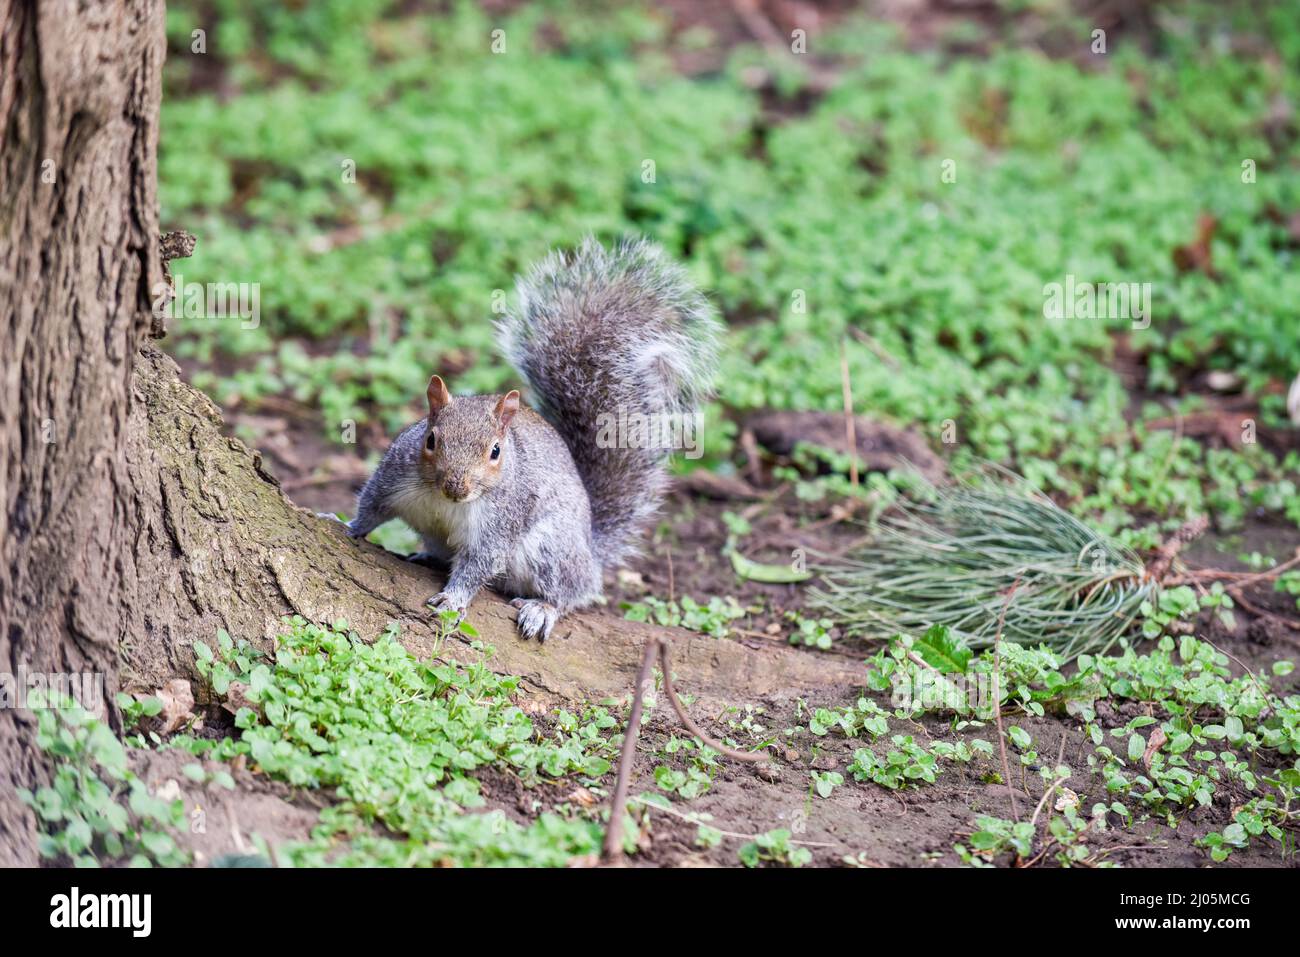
(602, 331)
(596, 330)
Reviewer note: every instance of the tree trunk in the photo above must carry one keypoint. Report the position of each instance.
(80, 85)
(131, 525)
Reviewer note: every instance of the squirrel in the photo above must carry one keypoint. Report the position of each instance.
(538, 504)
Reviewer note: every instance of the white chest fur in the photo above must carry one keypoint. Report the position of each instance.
(458, 524)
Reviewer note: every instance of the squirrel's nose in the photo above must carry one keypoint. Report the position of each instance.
(455, 490)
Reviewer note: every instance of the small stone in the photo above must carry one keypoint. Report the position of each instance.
(1221, 381)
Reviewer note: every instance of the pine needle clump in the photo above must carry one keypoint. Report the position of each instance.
(953, 557)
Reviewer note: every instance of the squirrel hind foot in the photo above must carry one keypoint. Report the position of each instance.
(536, 618)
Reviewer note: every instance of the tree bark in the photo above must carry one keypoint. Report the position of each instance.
(79, 96)
(131, 526)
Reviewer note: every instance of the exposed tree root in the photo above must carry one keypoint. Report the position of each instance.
(229, 550)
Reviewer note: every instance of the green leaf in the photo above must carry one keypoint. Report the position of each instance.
(1137, 746)
(157, 843)
(769, 574)
(48, 804)
(940, 650)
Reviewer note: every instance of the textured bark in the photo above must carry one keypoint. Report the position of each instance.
(79, 97)
(130, 525)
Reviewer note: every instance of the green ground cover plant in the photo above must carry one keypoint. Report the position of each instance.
(832, 225)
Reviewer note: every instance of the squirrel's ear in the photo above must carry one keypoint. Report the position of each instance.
(438, 395)
(507, 406)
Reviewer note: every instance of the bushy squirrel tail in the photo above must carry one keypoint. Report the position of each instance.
(619, 351)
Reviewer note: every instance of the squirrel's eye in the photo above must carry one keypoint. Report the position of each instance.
(496, 452)
(431, 442)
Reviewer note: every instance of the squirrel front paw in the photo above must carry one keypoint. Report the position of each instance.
(536, 618)
(446, 601)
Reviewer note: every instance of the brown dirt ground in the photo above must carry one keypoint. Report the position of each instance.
(918, 826)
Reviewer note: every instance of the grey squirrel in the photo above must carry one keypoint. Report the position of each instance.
(539, 503)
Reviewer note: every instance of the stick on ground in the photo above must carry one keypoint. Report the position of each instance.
(618, 804)
(850, 428)
(997, 699)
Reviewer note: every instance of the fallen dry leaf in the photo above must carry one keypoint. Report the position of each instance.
(237, 697)
(1158, 738)
(582, 796)
(177, 704)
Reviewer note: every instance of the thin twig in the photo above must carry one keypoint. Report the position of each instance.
(666, 666)
(1238, 578)
(839, 513)
(881, 353)
(1131, 847)
(671, 596)
(757, 23)
(1240, 599)
(1039, 856)
(1246, 668)
(1173, 446)
(1056, 783)
(997, 699)
(850, 427)
(618, 806)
